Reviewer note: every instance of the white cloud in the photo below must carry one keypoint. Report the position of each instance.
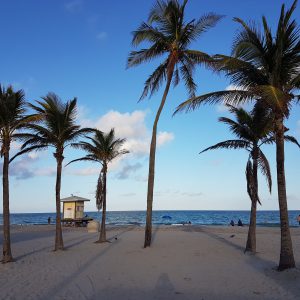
(164, 137)
(233, 87)
(101, 35)
(222, 108)
(127, 125)
(132, 127)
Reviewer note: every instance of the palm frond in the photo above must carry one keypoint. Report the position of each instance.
(227, 97)
(264, 167)
(291, 139)
(229, 144)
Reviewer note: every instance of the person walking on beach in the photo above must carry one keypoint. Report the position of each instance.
(49, 220)
(298, 219)
(240, 223)
(231, 223)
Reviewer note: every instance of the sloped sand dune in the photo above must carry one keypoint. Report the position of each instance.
(185, 262)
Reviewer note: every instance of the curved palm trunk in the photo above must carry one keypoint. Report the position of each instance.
(251, 240)
(59, 244)
(286, 250)
(148, 228)
(7, 255)
(102, 237)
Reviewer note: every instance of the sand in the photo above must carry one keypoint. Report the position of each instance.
(184, 262)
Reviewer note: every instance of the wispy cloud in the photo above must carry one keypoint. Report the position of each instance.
(177, 193)
(24, 168)
(101, 35)
(84, 171)
(298, 128)
(74, 6)
(128, 194)
(127, 170)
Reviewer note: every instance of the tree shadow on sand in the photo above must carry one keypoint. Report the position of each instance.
(290, 277)
(54, 291)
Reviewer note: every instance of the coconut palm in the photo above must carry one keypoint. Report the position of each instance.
(168, 34)
(265, 67)
(12, 121)
(103, 148)
(58, 130)
(253, 130)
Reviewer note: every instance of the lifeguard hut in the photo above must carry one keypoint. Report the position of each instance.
(73, 211)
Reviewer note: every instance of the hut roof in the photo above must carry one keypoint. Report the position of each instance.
(73, 198)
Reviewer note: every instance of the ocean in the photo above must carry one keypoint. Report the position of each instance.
(167, 217)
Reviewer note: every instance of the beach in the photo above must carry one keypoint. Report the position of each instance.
(184, 262)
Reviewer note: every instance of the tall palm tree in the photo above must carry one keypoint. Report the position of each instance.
(58, 130)
(168, 34)
(12, 121)
(253, 130)
(265, 66)
(102, 148)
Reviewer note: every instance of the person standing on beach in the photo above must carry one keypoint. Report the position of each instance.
(298, 219)
(49, 220)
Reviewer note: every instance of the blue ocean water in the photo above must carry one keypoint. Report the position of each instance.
(196, 217)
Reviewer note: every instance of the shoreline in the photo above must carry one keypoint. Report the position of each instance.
(160, 225)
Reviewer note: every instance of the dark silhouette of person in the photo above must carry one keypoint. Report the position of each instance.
(231, 223)
(49, 220)
(240, 223)
(298, 219)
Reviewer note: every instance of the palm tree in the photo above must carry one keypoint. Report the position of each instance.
(58, 130)
(102, 148)
(12, 122)
(168, 34)
(253, 130)
(265, 67)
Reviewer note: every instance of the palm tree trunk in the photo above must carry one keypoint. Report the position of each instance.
(286, 251)
(148, 228)
(251, 240)
(7, 255)
(59, 244)
(102, 237)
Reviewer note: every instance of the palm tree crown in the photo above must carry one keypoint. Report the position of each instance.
(168, 33)
(264, 66)
(12, 115)
(102, 148)
(59, 128)
(253, 130)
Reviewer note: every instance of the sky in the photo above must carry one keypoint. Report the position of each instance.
(78, 48)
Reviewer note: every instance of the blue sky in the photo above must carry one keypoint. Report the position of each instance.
(79, 48)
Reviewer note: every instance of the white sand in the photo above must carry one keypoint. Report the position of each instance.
(183, 263)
